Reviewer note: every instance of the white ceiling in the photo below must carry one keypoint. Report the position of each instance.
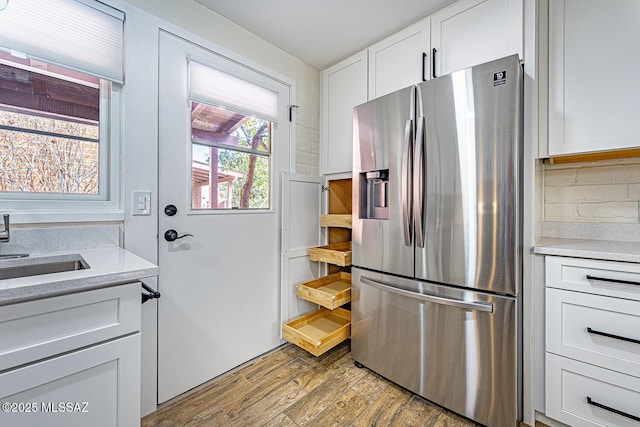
(322, 32)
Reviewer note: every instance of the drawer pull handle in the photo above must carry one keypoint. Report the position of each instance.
(604, 279)
(151, 293)
(617, 337)
(610, 409)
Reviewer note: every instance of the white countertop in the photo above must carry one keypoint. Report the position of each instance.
(594, 249)
(108, 266)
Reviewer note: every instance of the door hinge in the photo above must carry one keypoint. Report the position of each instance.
(325, 188)
(291, 107)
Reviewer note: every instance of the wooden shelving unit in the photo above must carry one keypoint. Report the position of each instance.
(328, 326)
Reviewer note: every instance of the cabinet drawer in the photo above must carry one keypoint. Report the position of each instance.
(570, 385)
(330, 291)
(319, 331)
(616, 279)
(601, 330)
(42, 328)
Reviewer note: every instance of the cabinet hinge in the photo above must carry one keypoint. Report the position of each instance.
(325, 188)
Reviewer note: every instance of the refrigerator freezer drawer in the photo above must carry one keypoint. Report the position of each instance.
(456, 348)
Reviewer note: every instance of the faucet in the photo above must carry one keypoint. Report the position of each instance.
(4, 235)
(4, 238)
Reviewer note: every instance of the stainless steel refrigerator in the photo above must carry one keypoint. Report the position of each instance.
(437, 240)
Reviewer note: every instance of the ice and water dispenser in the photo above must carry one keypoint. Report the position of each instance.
(374, 185)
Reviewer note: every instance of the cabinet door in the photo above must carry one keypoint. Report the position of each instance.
(471, 32)
(97, 386)
(400, 60)
(343, 87)
(303, 201)
(594, 89)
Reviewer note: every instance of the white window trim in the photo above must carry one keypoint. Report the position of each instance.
(28, 208)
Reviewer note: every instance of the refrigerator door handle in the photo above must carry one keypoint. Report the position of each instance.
(468, 305)
(418, 183)
(407, 172)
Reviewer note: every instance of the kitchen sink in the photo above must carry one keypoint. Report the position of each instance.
(25, 267)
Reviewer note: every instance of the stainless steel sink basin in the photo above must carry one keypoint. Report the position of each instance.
(25, 267)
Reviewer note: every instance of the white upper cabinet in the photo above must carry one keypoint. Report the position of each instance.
(467, 33)
(472, 32)
(400, 60)
(344, 86)
(594, 88)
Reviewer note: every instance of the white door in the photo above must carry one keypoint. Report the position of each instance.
(220, 302)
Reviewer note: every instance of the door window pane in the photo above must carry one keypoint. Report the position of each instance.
(230, 159)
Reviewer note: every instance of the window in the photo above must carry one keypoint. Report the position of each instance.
(61, 74)
(49, 129)
(232, 122)
(231, 159)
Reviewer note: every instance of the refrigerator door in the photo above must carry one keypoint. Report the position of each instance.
(382, 234)
(469, 152)
(454, 347)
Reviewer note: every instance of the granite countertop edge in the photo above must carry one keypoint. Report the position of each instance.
(108, 267)
(605, 250)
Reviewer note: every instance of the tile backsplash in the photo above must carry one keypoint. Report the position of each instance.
(594, 192)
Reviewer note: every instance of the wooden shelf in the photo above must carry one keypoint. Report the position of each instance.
(334, 253)
(330, 291)
(319, 331)
(336, 220)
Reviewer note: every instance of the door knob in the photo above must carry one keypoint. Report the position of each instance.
(171, 235)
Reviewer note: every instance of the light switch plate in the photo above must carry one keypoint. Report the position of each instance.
(141, 203)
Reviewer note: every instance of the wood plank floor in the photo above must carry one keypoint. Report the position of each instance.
(290, 387)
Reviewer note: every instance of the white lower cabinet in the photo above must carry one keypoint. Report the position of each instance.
(592, 334)
(98, 386)
(580, 394)
(72, 360)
